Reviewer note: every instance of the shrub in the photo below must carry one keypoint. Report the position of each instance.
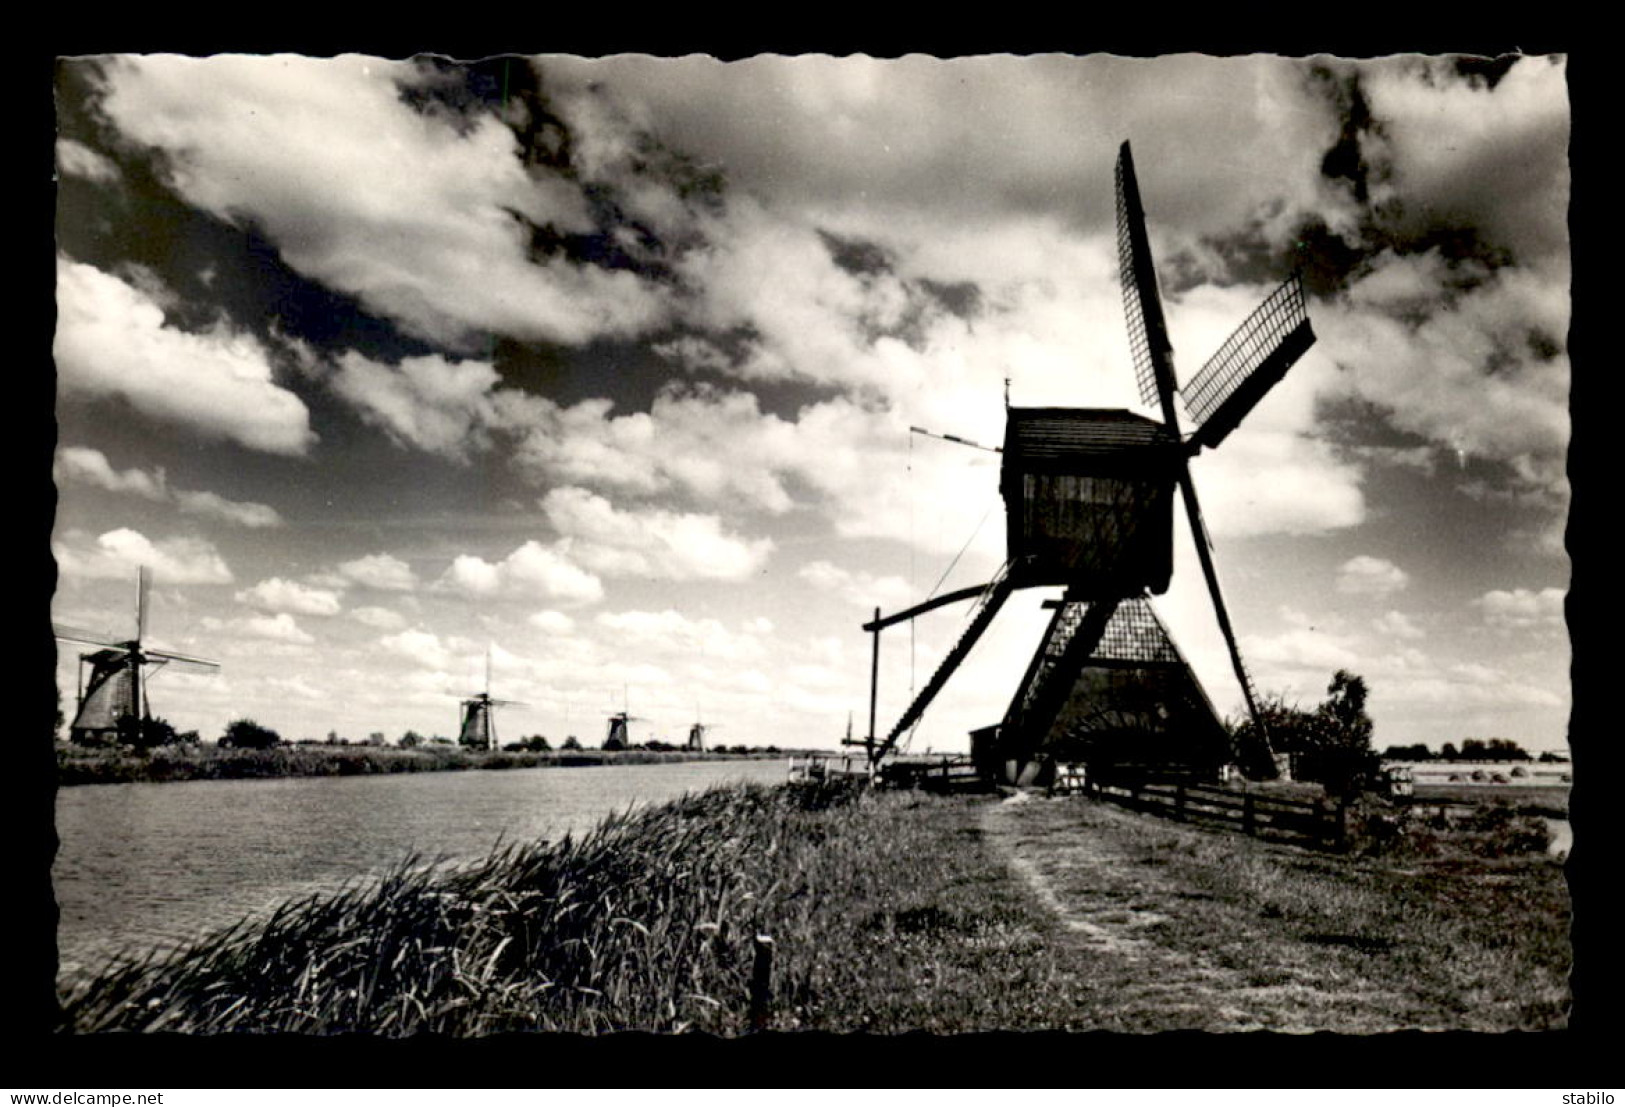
(245, 734)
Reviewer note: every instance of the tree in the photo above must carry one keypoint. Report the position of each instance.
(1447, 752)
(571, 743)
(1331, 744)
(1415, 752)
(245, 734)
(411, 740)
(1345, 707)
(153, 733)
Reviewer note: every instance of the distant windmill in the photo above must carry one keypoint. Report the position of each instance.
(617, 738)
(479, 715)
(114, 703)
(1089, 506)
(698, 731)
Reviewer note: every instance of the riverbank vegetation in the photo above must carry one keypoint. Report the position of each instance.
(112, 765)
(882, 912)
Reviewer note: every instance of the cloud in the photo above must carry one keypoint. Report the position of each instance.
(861, 587)
(89, 466)
(553, 622)
(252, 515)
(1370, 576)
(1522, 608)
(381, 571)
(421, 647)
(1477, 373)
(277, 595)
(1396, 624)
(112, 340)
(1468, 152)
(530, 570)
(651, 543)
(369, 185)
(432, 403)
(79, 463)
(78, 160)
(280, 628)
(379, 618)
(118, 553)
(671, 632)
(1303, 649)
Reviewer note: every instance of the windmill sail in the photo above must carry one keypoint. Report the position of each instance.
(1279, 330)
(1142, 302)
(1249, 364)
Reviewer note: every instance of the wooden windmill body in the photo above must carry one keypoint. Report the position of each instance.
(1088, 497)
(113, 704)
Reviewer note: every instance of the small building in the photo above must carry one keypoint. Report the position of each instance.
(1088, 500)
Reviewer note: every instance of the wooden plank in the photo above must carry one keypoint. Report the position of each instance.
(920, 609)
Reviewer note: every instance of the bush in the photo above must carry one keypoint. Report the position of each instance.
(1490, 831)
(245, 734)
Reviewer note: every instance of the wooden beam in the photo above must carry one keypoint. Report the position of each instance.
(874, 680)
(921, 609)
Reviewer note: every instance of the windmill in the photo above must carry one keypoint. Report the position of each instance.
(1089, 507)
(113, 705)
(697, 732)
(618, 738)
(479, 729)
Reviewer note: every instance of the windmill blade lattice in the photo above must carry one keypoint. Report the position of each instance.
(1142, 301)
(1249, 363)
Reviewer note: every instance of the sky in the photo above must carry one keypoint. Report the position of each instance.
(607, 366)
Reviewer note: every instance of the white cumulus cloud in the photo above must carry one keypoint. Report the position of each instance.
(112, 340)
(118, 553)
(277, 595)
(1370, 576)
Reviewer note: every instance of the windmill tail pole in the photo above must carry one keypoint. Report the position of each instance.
(874, 681)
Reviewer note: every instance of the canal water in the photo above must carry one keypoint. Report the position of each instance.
(142, 866)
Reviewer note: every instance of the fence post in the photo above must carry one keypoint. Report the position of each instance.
(1247, 813)
(1340, 825)
(761, 983)
(1179, 802)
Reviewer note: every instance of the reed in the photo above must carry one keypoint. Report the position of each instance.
(646, 922)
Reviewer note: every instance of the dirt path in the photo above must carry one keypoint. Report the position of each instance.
(1144, 951)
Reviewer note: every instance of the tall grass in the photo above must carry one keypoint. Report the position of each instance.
(646, 922)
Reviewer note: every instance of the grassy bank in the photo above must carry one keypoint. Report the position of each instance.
(82, 765)
(648, 922)
(1167, 925)
(887, 912)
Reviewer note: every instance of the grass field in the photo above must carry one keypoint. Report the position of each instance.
(888, 912)
(1551, 800)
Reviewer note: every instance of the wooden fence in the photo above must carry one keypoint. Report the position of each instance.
(944, 773)
(1254, 813)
